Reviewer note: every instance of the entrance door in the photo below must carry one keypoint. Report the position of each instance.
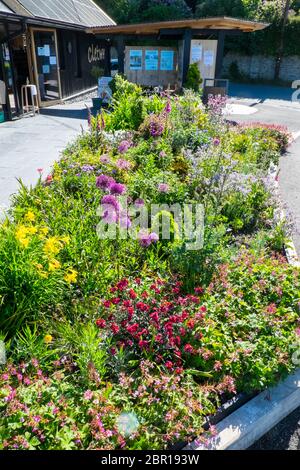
(46, 66)
(11, 107)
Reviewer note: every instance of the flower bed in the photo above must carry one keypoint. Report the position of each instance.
(130, 340)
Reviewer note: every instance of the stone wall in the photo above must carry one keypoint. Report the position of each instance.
(259, 66)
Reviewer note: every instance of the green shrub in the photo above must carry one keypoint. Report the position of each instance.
(193, 79)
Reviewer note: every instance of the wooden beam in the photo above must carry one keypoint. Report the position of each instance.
(121, 53)
(187, 39)
(220, 54)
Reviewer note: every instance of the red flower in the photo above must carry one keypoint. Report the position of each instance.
(132, 328)
(113, 351)
(101, 323)
(145, 295)
(154, 316)
(188, 348)
(126, 303)
(178, 370)
(199, 290)
(132, 294)
(121, 285)
(138, 281)
(182, 331)
(143, 344)
(176, 290)
(159, 338)
(203, 309)
(116, 300)
(190, 324)
(169, 365)
(130, 311)
(106, 303)
(141, 306)
(115, 328)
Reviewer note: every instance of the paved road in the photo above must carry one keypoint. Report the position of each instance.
(30, 143)
(273, 106)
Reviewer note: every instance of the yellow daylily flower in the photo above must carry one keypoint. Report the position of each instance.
(54, 264)
(24, 242)
(44, 230)
(52, 246)
(48, 339)
(30, 216)
(71, 276)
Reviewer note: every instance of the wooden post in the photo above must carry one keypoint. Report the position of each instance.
(187, 39)
(121, 53)
(220, 54)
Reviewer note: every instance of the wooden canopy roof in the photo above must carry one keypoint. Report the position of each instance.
(220, 23)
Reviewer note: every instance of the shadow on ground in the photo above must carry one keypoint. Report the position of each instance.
(285, 436)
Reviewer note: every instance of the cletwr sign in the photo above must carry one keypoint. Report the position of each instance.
(95, 53)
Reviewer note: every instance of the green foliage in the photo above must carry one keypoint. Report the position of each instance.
(193, 79)
(96, 327)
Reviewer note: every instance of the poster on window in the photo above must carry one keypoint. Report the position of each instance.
(196, 53)
(151, 60)
(167, 60)
(209, 58)
(135, 59)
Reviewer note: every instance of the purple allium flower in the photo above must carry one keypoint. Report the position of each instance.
(123, 164)
(104, 181)
(162, 154)
(153, 237)
(139, 202)
(117, 188)
(110, 200)
(168, 107)
(216, 141)
(105, 159)
(146, 239)
(163, 187)
(124, 221)
(124, 146)
(110, 216)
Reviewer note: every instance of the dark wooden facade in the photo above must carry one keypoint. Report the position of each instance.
(78, 54)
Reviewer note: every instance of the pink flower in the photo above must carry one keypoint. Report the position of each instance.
(105, 159)
(188, 348)
(115, 328)
(40, 170)
(123, 164)
(169, 365)
(101, 323)
(163, 187)
(217, 366)
(168, 107)
(88, 395)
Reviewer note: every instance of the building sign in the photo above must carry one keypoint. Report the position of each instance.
(95, 53)
(167, 60)
(209, 58)
(135, 59)
(104, 90)
(151, 60)
(196, 53)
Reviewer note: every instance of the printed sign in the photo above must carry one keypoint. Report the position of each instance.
(196, 53)
(151, 60)
(209, 58)
(52, 60)
(167, 60)
(40, 51)
(46, 50)
(46, 69)
(104, 90)
(135, 59)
